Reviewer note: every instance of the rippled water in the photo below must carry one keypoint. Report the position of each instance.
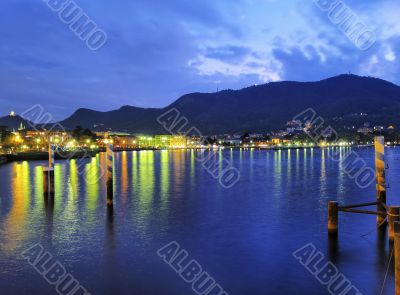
(243, 237)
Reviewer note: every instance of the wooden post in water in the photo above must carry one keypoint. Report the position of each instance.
(110, 190)
(393, 216)
(397, 257)
(380, 177)
(333, 217)
(48, 174)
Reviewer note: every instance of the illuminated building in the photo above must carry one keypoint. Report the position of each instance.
(276, 141)
(125, 141)
(178, 142)
(146, 141)
(170, 141)
(162, 141)
(194, 142)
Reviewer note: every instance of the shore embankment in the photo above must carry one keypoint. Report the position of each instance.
(42, 156)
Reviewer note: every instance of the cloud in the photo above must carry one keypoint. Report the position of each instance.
(159, 50)
(265, 70)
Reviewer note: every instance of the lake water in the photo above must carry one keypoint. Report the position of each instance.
(243, 237)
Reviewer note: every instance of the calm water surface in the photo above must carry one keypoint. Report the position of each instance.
(243, 237)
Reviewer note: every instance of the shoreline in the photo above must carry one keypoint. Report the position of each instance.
(41, 156)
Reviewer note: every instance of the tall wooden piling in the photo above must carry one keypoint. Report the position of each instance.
(110, 160)
(380, 177)
(397, 257)
(48, 181)
(333, 216)
(48, 174)
(393, 216)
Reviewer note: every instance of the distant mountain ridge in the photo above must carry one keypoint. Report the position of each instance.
(13, 122)
(339, 100)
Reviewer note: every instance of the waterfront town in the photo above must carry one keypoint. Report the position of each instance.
(30, 139)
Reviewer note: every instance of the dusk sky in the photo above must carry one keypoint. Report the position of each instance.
(158, 50)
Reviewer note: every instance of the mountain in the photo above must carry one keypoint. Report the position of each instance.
(344, 99)
(13, 122)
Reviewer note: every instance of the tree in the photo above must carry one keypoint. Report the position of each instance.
(81, 134)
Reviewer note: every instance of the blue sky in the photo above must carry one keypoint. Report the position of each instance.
(158, 50)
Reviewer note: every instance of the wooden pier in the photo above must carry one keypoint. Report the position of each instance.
(384, 214)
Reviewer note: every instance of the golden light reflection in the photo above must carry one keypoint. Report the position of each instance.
(58, 186)
(73, 191)
(15, 225)
(124, 175)
(165, 174)
(146, 177)
(341, 176)
(92, 185)
(192, 168)
(289, 166)
(69, 211)
(39, 201)
(179, 169)
(277, 175)
(311, 162)
(323, 171)
(135, 177)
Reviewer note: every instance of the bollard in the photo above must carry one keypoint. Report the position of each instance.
(380, 177)
(333, 216)
(397, 257)
(110, 190)
(393, 216)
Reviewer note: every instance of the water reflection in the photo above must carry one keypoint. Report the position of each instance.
(58, 187)
(146, 178)
(92, 186)
(164, 186)
(192, 168)
(73, 180)
(15, 224)
(49, 218)
(179, 169)
(277, 172)
(158, 193)
(135, 173)
(110, 237)
(124, 175)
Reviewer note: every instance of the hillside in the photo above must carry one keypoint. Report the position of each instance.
(261, 108)
(13, 122)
